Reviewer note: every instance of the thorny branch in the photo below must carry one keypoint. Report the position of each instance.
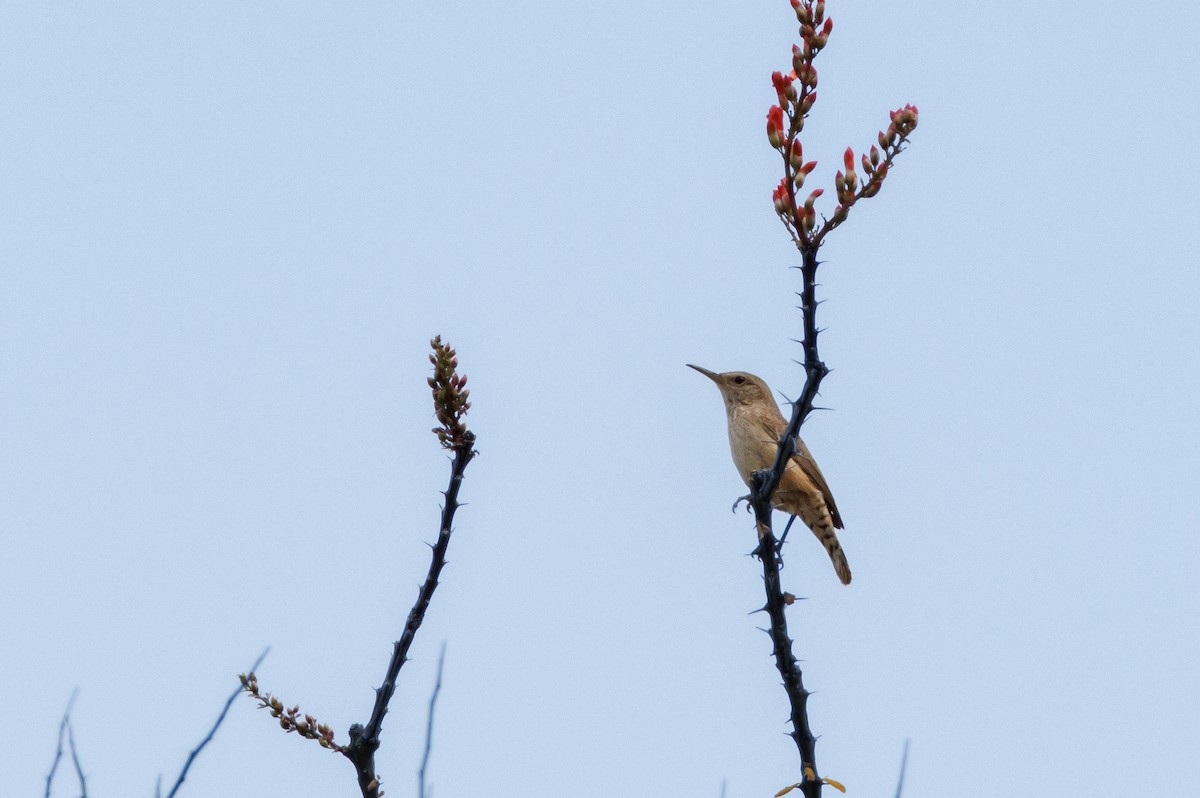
(797, 94)
(451, 404)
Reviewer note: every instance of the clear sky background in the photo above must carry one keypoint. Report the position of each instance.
(228, 231)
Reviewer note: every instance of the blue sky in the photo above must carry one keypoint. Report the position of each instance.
(228, 231)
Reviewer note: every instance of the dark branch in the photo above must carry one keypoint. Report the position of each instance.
(450, 405)
(800, 221)
(58, 751)
(75, 761)
(763, 485)
(437, 688)
(211, 732)
(903, 767)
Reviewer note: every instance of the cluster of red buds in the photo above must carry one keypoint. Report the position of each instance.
(450, 397)
(796, 93)
(290, 719)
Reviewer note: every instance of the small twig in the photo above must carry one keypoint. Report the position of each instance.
(903, 767)
(58, 751)
(437, 688)
(75, 761)
(211, 732)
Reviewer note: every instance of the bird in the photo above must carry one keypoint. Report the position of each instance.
(755, 427)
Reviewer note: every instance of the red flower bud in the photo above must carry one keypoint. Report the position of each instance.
(796, 156)
(783, 86)
(775, 126)
(808, 167)
(848, 158)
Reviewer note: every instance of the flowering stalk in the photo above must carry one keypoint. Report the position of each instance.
(450, 406)
(796, 93)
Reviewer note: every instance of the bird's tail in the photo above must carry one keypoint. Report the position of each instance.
(818, 519)
(840, 564)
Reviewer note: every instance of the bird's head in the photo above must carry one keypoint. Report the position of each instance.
(738, 388)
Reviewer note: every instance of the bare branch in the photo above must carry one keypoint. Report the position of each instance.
(58, 751)
(75, 761)
(903, 767)
(437, 688)
(211, 732)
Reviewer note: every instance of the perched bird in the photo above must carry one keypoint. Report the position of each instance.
(755, 427)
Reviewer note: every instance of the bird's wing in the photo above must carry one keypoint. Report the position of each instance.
(803, 458)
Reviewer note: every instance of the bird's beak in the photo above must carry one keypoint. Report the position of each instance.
(712, 375)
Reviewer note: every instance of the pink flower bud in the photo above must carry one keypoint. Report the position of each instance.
(874, 155)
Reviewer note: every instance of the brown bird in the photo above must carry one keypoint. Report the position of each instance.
(755, 427)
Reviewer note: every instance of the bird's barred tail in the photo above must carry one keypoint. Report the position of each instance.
(816, 516)
(839, 561)
(825, 534)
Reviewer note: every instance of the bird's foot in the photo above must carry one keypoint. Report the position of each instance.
(741, 499)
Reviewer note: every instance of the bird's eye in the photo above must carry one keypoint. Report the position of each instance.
(740, 380)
